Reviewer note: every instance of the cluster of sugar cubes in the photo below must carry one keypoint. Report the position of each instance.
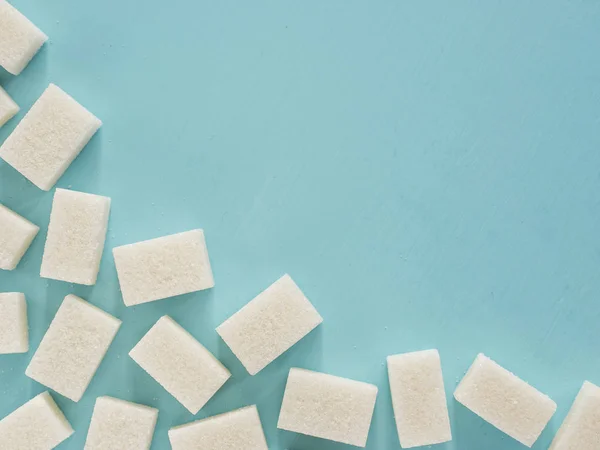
(41, 148)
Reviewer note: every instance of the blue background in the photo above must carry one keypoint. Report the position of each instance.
(428, 173)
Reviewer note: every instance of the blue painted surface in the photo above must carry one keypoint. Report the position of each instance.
(428, 172)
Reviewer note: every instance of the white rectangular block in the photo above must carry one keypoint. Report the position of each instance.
(419, 399)
(37, 425)
(581, 428)
(180, 364)
(235, 430)
(8, 108)
(504, 400)
(163, 267)
(16, 235)
(49, 137)
(20, 39)
(327, 407)
(76, 236)
(73, 347)
(269, 325)
(117, 425)
(14, 335)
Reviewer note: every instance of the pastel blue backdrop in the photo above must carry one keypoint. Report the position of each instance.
(428, 172)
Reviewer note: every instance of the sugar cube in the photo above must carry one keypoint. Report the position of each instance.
(14, 336)
(117, 424)
(16, 234)
(504, 400)
(37, 425)
(269, 325)
(163, 267)
(581, 428)
(49, 137)
(76, 235)
(20, 39)
(180, 364)
(327, 407)
(8, 108)
(419, 399)
(235, 430)
(73, 347)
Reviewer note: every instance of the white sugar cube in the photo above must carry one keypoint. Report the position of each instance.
(73, 347)
(117, 425)
(20, 39)
(327, 407)
(504, 400)
(8, 108)
(49, 137)
(76, 235)
(14, 336)
(235, 430)
(269, 325)
(419, 399)
(163, 267)
(581, 428)
(180, 364)
(37, 425)
(16, 234)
